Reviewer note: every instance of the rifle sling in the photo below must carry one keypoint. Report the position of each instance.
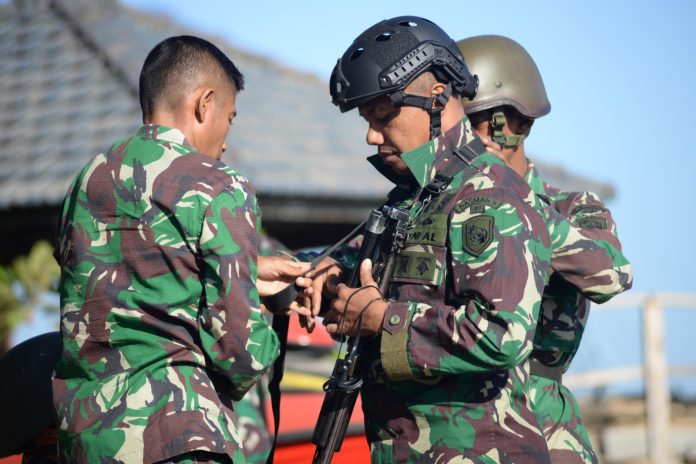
(280, 325)
(463, 157)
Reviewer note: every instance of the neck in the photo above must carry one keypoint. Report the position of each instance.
(173, 121)
(517, 160)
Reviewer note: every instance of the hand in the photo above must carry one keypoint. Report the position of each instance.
(351, 302)
(275, 274)
(325, 278)
(493, 148)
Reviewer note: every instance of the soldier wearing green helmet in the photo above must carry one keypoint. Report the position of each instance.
(511, 95)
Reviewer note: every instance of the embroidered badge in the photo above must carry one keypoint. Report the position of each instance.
(588, 209)
(416, 265)
(430, 230)
(477, 203)
(478, 234)
(592, 222)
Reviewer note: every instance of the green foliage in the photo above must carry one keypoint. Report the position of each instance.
(22, 284)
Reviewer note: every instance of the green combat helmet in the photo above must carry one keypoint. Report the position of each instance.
(507, 76)
(26, 403)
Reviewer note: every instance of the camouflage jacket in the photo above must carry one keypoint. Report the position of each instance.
(587, 264)
(160, 314)
(448, 376)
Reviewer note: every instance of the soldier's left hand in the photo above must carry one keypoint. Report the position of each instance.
(351, 302)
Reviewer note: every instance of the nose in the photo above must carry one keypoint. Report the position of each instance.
(374, 137)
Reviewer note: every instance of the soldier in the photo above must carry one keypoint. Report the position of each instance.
(510, 97)
(160, 315)
(447, 362)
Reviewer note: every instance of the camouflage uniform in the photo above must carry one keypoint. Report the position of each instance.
(589, 247)
(448, 377)
(159, 310)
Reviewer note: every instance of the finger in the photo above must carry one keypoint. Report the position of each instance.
(366, 273)
(330, 327)
(301, 310)
(310, 324)
(292, 268)
(317, 285)
(332, 284)
(304, 282)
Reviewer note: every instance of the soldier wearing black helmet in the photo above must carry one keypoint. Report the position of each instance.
(447, 370)
(511, 96)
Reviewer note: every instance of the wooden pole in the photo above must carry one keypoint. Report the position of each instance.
(656, 382)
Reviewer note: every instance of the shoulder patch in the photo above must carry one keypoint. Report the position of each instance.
(415, 265)
(592, 222)
(476, 204)
(478, 234)
(588, 209)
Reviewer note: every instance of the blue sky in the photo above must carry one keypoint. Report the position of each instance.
(620, 77)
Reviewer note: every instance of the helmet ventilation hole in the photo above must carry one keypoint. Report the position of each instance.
(408, 24)
(356, 54)
(384, 36)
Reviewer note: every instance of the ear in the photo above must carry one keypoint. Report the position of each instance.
(204, 104)
(437, 88)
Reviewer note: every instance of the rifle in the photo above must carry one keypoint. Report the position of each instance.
(384, 238)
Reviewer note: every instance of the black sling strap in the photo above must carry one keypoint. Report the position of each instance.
(280, 325)
(464, 155)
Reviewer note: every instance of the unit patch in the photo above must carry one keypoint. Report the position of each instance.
(588, 209)
(415, 265)
(478, 234)
(431, 230)
(477, 204)
(592, 222)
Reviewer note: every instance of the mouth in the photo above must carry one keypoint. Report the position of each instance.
(388, 154)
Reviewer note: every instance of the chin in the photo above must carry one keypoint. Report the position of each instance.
(397, 166)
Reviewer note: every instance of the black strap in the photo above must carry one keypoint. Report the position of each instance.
(463, 157)
(280, 325)
(402, 98)
(536, 367)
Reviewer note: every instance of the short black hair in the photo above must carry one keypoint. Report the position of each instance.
(177, 60)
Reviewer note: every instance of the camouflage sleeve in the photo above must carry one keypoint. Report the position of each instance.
(498, 268)
(586, 250)
(235, 336)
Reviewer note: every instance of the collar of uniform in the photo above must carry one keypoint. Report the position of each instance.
(426, 160)
(164, 133)
(533, 179)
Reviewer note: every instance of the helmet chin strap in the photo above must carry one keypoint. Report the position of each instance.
(498, 121)
(428, 104)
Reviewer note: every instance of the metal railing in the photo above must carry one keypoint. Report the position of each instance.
(655, 371)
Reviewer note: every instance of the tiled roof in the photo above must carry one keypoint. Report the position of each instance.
(68, 88)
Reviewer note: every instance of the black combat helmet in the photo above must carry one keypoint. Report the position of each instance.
(385, 58)
(26, 403)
